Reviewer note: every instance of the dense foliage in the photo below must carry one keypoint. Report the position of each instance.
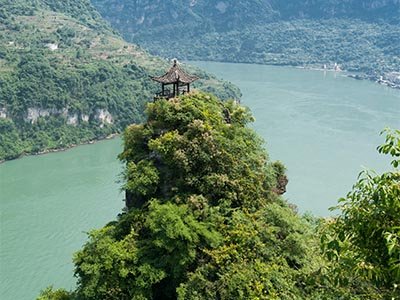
(66, 78)
(359, 35)
(205, 220)
(363, 243)
(81, 10)
(202, 193)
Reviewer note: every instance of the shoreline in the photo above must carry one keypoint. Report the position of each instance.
(353, 75)
(350, 74)
(381, 81)
(48, 151)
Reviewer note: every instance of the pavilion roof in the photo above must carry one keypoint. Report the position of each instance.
(174, 75)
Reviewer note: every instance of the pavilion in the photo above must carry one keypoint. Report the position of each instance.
(179, 80)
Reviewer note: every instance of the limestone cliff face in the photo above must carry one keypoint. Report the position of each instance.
(133, 16)
(72, 118)
(104, 116)
(3, 113)
(34, 113)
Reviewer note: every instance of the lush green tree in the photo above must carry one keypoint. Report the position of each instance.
(51, 294)
(363, 242)
(264, 255)
(10, 142)
(205, 219)
(198, 145)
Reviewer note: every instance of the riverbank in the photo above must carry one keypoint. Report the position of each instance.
(55, 150)
(391, 79)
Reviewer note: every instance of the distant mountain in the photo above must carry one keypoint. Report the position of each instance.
(367, 10)
(137, 15)
(361, 35)
(66, 77)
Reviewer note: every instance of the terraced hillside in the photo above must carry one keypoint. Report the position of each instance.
(67, 78)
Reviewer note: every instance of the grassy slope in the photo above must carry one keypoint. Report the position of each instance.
(93, 69)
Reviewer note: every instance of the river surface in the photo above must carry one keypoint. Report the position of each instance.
(323, 126)
(47, 204)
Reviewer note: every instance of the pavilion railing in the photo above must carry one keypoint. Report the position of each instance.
(167, 94)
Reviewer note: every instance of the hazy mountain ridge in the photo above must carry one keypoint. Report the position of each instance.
(228, 13)
(367, 10)
(81, 10)
(67, 78)
(360, 35)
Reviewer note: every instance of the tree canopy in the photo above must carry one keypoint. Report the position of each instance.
(205, 219)
(201, 191)
(363, 242)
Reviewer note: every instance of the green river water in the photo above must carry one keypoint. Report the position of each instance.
(323, 126)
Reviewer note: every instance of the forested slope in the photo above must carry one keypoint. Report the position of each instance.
(66, 77)
(359, 35)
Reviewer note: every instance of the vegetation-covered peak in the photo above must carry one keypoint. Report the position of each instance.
(203, 212)
(199, 145)
(205, 221)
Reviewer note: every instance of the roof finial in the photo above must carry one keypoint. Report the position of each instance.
(175, 74)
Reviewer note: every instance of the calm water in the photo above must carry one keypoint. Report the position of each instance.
(47, 203)
(324, 128)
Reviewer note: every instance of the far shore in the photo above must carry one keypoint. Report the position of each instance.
(316, 67)
(47, 151)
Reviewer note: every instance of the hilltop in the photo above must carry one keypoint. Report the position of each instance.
(205, 219)
(66, 77)
(361, 36)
